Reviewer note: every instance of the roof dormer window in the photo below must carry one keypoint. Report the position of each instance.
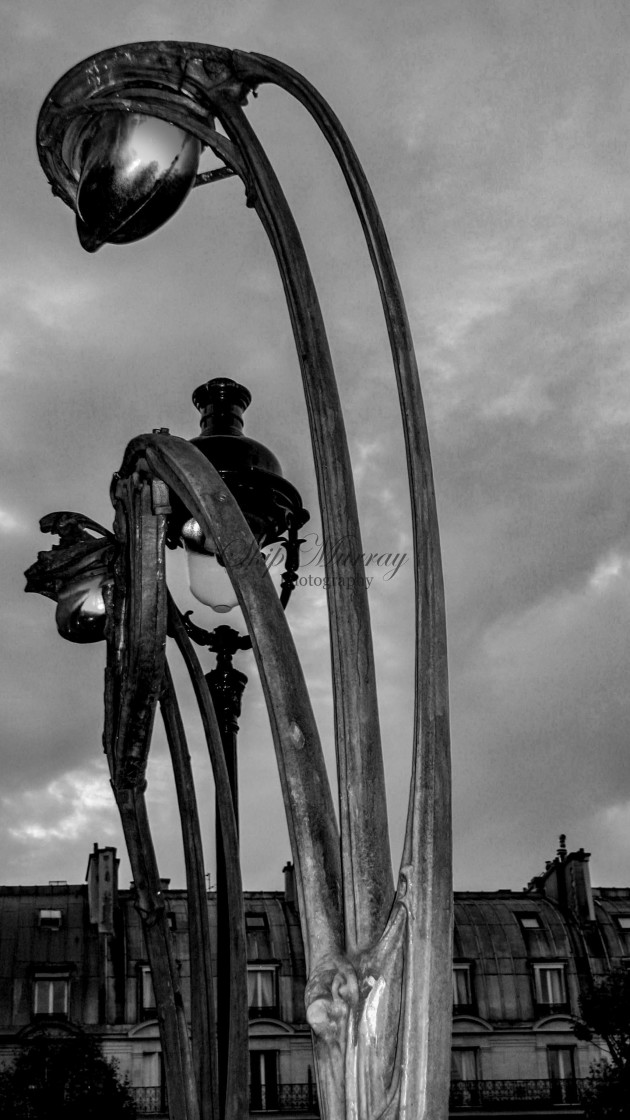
(550, 988)
(51, 993)
(262, 990)
(462, 987)
(528, 921)
(50, 919)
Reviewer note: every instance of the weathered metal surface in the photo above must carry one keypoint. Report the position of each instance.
(427, 845)
(366, 861)
(136, 652)
(76, 574)
(226, 686)
(203, 1025)
(84, 546)
(379, 988)
(355, 1001)
(136, 637)
(232, 1084)
(178, 1065)
(109, 81)
(310, 812)
(168, 82)
(134, 683)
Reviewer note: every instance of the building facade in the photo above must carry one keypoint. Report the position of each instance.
(73, 958)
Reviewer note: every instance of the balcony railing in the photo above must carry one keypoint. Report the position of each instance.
(148, 1099)
(264, 1011)
(526, 1093)
(505, 1094)
(283, 1098)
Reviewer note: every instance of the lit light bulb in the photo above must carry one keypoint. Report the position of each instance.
(209, 581)
(207, 577)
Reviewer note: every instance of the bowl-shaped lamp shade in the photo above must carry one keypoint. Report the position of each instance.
(209, 581)
(80, 614)
(207, 576)
(135, 172)
(250, 470)
(271, 506)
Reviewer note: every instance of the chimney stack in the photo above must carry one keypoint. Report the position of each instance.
(289, 884)
(567, 881)
(102, 887)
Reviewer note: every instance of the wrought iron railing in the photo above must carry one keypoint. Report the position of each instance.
(283, 1098)
(525, 1093)
(264, 1011)
(301, 1098)
(522, 1093)
(148, 1099)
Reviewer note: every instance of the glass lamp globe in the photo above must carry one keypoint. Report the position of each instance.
(134, 172)
(80, 614)
(207, 576)
(209, 581)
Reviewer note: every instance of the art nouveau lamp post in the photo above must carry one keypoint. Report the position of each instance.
(119, 139)
(274, 511)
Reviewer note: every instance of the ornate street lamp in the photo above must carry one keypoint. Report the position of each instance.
(119, 138)
(79, 573)
(273, 510)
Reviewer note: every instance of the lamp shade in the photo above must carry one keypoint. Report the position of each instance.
(134, 173)
(80, 614)
(209, 581)
(269, 503)
(271, 506)
(207, 577)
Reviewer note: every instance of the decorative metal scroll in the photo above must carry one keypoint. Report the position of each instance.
(378, 956)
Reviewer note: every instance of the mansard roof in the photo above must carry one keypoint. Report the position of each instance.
(489, 926)
(612, 911)
(505, 936)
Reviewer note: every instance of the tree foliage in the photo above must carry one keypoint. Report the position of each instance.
(69, 1079)
(605, 1010)
(606, 1095)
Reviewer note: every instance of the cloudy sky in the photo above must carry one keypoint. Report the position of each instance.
(493, 133)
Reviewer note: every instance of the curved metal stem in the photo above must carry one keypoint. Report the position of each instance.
(427, 843)
(306, 792)
(180, 1077)
(204, 1028)
(431, 626)
(133, 684)
(406, 972)
(366, 861)
(234, 1104)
